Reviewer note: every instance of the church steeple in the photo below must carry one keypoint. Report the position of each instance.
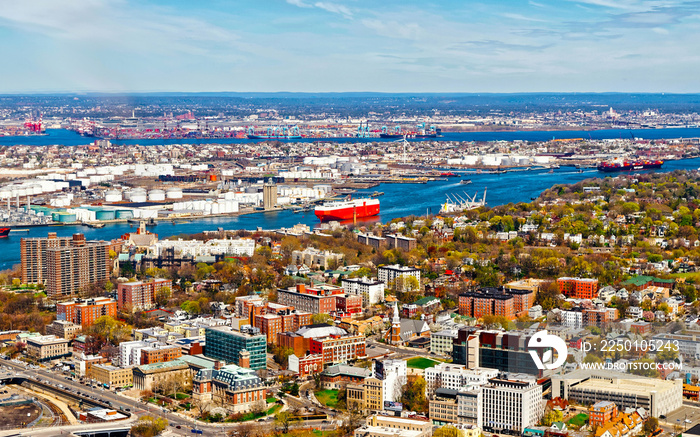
(395, 337)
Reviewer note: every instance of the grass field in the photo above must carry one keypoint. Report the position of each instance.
(420, 363)
(578, 420)
(328, 398)
(690, 276)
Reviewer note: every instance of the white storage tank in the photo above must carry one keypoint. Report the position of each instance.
(174, 193)
(156, 195)
(138, 195)
(113, 196)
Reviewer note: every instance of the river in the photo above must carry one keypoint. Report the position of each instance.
(399, 200)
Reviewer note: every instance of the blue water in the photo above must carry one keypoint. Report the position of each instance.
(399, 200)
(69, 138)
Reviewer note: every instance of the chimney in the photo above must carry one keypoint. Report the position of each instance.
(244, 359)
(218, 365)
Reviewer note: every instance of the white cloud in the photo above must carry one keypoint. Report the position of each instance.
(334, 8)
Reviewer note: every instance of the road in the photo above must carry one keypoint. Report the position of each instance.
(137, 408)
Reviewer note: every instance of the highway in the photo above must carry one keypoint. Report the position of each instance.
(137, 408)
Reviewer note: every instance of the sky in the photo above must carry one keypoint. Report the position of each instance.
(350, 45)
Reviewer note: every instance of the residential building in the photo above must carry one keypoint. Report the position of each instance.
(84, 312)
(149, 376)
(111, 376)
(601, 413)
(372, 291)
(657, 396)
(33, 255)
(316, 258)
(66, 268)
(311, 300)
(373, 324)
(389, 275)
(455, 377)
(125, 352)
(509, 406)
(572, 319)
(371, 240)
(239, 388)
(223, 343)
(243, 304)
(624, 425)
(487, 302)
(401, 242)
(63, 329)
(348, 305)
(160, 353)
(578, 288)
(47, 347)
(441, 342)
(599, 317)
(140, 295)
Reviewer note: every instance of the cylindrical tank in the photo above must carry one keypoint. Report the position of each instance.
(174, 193)
(138, 195)
(156, 195)
(251, 189)
(64, 217)
(124, 214)
(113, 196)
(105, 214)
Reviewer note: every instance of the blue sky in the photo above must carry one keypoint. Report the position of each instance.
(350, 45)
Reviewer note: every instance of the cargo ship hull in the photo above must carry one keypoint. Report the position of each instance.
(4, 232)
(273, 137)
(360, 208)
(629, 166)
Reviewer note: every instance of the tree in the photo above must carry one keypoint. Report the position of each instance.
(284, 420)
(321, 318)
(191, 306)
(413, 396)
(149, 426)
(650, 425)
(446, 431)
(552, 416)
(162, 296)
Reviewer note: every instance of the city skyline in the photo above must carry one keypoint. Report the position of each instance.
(350, 46)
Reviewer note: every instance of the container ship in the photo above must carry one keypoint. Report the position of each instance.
(624, 165)
(4, 232)
(348, 209)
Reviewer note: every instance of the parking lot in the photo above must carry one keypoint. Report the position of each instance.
(686, 416)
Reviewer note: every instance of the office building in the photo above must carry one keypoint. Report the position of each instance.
(507, 352)
(372, 291)
(111, 376)
(366, 396)
(47, 347)
(336, 349)
(465, 348)
(140, 295)
(84, 312)
(226, 344)
(657, 396)
(443, 406)
(393, 375)
(510, 406)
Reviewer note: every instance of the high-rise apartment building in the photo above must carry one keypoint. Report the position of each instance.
(65, 265)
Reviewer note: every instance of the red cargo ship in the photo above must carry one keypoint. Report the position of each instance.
(4, 232)
(624, 165)
(346, 210)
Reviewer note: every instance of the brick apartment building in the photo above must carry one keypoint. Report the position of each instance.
(140, 295)
(84, 312)
(578, 288)
(487, 301)
(312, 300)
(160, 354)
